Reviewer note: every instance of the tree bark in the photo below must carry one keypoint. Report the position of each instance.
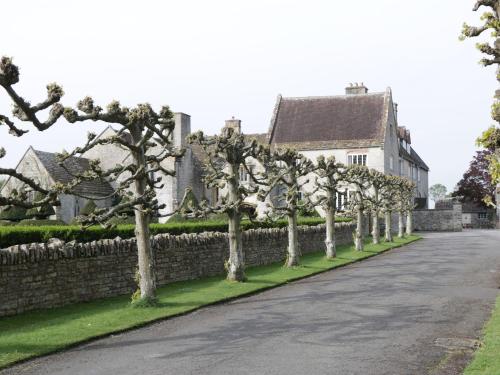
(358, 237)
(401, 225)
(147, 282)
(388, 226)
(409, 223)
(236, 266)
(293, 243)
(376, 228)
(331, 251)
(375, 224)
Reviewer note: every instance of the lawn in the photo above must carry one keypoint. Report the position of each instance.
(487, 358)
(40, 332)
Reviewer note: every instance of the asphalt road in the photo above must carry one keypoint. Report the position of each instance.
(387, 315)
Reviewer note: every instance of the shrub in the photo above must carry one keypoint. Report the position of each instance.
(13, 235)
(42, 212)
(13, 213)
(40, 223)
(89, 208)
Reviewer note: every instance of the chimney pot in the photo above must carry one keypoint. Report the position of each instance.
(356, 89)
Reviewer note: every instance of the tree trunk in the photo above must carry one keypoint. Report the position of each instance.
(375, 223)
(358, 237)
(293, 242)
(236, 265)
(409, 223)
(401, 225)
(331, 251)
(388, 226)
(147, 282)
(376, 228)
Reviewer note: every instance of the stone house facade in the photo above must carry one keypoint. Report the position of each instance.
(356, 128)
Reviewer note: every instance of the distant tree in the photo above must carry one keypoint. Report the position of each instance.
(490, 139)
(287, 171)
(437, 192)
(476, 183)
(227, 155)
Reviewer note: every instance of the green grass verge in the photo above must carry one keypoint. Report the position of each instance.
(40, 332)
(487, 358)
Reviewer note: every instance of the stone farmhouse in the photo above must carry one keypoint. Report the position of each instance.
(357, 128)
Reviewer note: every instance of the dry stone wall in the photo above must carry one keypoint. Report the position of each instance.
(45, 275)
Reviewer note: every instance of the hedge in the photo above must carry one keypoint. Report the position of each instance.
(19, 235)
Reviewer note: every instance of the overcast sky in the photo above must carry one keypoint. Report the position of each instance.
(215, 59)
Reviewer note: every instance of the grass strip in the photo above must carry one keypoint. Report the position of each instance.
(41, 332)
(487, 359)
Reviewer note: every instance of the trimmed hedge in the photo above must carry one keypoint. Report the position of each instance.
(21, 235)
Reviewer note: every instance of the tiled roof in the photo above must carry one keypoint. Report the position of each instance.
(332, 121)
(96, 188)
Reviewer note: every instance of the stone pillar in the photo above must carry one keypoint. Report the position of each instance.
(457, 217)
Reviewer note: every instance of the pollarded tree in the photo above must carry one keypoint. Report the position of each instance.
(359, 176)
(227, 156)
(146, 135)
(409, 202)
(404, 204)
(24, 111)
(378, 181)
(490, 139)
(331, 175)
(287, 172)
(388, 195)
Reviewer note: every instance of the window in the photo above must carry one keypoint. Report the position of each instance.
(482, 215)
(356, 159)
(391, 162)
(418, 174)
(243, 175)
(341, 201)
(76, 208)
(401, 167)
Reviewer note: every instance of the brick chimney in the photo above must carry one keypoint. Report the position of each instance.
(356, 89)
(234, 124)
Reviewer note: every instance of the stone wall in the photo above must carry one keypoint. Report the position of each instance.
(439, 220)
(53, 274)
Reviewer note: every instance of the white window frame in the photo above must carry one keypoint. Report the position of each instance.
(354, 159)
